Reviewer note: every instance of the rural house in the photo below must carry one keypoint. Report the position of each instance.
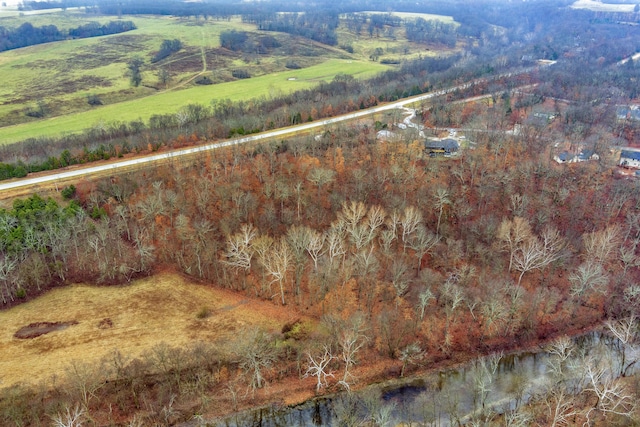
(583, 156)
(444, 147)
(630, 158)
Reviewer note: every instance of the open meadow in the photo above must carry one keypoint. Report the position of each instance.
(133, 318)
(59, 78)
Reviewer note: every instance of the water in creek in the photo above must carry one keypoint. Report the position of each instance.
(449, 397)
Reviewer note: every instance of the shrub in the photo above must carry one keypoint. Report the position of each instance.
(94, 100)
(203, 313)
(240, 74)
(68, 192)
(204, 80)
(292, 65)
(347, 48)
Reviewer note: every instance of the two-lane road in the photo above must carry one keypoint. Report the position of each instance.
(119, 165)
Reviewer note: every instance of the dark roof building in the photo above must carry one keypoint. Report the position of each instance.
(445, 146)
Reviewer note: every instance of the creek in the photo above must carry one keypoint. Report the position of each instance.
(497, 383)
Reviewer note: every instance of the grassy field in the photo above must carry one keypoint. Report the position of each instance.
(158, 309)
(171, 101)
(60, 76)
(394, 45)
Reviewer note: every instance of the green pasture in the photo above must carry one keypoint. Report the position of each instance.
(171, 101)
(62, 74)
(394, 44)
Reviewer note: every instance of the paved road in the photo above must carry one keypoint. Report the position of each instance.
(176, 154)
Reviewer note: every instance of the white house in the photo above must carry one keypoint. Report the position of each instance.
(630, 158)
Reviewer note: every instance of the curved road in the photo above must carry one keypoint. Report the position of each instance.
(101, 169)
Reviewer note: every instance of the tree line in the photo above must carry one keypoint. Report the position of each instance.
(318, 26)
(28, 35)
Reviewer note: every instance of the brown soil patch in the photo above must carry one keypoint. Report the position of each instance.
(34, 330)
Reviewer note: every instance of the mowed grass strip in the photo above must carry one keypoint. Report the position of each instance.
(162, 308)
(171, 101)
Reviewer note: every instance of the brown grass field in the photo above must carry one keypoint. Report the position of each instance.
(162, 308)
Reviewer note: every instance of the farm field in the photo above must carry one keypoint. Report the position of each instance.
(169, 102)
(60, 77)
(132, 319)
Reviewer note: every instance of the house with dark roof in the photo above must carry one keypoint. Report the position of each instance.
(630, 158)
(444, 147)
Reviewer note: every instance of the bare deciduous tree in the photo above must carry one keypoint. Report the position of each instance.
(625, 330)
(422, 242)
(588, 276)
(538, 253)
(70, 417)
(317, 367)
(513, 233)
(611, 396)
(239, 251)
(410, 355)
(351, 340)
(441, 198)
(600, 246)
(255, 351)
(277, 262)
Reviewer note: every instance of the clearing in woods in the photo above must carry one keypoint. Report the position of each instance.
(93, 321)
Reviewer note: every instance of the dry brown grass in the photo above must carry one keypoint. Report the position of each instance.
(160, 308)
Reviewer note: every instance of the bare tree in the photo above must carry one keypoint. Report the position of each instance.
(538, 253)
(351, 340)
(625, 330)
(560, 351)
(561, 408)
(484, 376)
(321, 177)
(239, 250)
(317, 367)
(422, 242)
(410, 220)
(85, 380)
(335, 243)
(588, 276)
(277, 262)
(255, 351)
(513, 233)
(600, 246)
(424, 297)
(410, 355)
(70, 417)
(611, 396)
(441, 198)
(315, 247)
